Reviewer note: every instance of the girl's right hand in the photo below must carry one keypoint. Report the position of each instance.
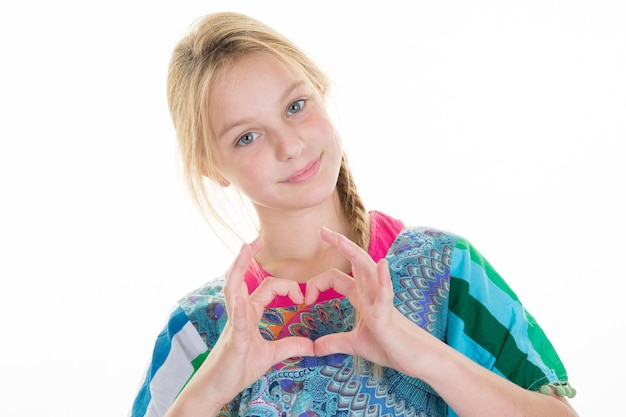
(241, 355)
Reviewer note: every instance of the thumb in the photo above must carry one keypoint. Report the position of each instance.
(239, 316)
(334, 343)
(293, 346)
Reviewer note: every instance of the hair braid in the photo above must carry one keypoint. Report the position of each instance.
(358, 218)
(353, 206)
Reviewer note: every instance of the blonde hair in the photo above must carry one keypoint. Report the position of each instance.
(214, 41)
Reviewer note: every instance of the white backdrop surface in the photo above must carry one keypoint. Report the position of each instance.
(501, 121)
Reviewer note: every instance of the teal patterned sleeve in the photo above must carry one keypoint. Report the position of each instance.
(488, 324)
(171, 366)
(191, 331)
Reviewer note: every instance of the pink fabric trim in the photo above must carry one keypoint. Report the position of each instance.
(383, 231)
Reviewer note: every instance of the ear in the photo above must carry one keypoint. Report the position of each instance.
(215, 176)
(222, 181)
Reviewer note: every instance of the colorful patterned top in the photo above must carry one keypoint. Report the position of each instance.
(441, 283)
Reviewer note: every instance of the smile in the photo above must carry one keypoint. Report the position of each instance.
(305, 174)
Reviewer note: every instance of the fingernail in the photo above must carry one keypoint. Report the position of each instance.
(329, 231)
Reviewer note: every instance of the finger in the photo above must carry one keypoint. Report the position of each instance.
(384, 280)
(239, 321)
(333, 278)
(358, 257)
(364, 268)
(384, 294)
(292, 346)
(256, 245)
(235, 277)
(348, 248)
(272, 287)
(329, 236)
(334, 343)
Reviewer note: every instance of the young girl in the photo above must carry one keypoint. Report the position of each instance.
(332, 310)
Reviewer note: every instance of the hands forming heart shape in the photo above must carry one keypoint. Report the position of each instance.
(241, 355)
(382, 335)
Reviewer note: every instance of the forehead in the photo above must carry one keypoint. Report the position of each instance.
(244, 85)
(254, 67)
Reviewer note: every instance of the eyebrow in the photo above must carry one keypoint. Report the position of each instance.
(245, 120)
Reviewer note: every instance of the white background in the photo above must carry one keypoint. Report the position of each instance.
(501, 121)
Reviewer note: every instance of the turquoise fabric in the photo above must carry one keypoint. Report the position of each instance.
(441, 283)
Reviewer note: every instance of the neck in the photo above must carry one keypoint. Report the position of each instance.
(293, 248)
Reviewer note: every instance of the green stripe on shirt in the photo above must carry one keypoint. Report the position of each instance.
(495, 338)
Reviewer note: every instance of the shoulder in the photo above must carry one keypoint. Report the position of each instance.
(424, 251)
(422, 240)
(210, 292)
(205, 308)
(390, 237)
(420, 260)
(192, 327)
(442, 250)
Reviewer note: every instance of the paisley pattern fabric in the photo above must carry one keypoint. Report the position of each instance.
(427, 266)
(329, 386)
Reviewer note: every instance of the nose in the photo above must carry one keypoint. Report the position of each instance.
(288, 144)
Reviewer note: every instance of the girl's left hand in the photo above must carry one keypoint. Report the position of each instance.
(382, 335)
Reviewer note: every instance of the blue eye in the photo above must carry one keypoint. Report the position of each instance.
(247, 138)
(295, 107)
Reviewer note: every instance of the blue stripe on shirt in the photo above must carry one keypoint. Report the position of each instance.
(507, 310)
(162, 348)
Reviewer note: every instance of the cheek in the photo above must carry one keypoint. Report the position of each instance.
(323, 128)
(252, 170)
(334, 141)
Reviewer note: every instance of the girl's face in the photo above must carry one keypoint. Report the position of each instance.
(273, 137)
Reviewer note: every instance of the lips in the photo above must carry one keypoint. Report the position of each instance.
(304, 174)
